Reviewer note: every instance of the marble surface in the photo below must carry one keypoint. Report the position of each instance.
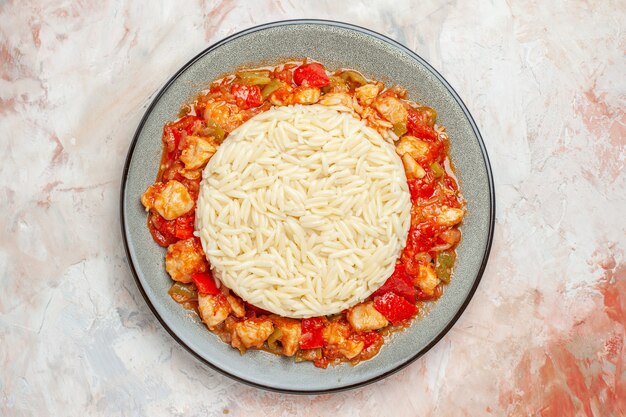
(544, 334)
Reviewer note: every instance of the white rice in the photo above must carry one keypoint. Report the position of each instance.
(303, 211)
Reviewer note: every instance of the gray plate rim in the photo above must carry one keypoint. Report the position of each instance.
(391, 42)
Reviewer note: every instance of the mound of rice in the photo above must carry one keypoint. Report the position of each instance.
(303, 211)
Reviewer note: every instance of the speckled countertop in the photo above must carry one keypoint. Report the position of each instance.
(544, 334)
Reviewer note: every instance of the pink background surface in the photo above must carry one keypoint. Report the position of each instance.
(544, 334)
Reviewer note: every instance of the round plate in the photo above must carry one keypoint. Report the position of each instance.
(336, 45)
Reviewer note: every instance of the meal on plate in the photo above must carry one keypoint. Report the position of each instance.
(306, 212)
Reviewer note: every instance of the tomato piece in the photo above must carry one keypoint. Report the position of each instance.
(312, 333)
(173, 133)
(400, 283)
(369, 338)
(417, 126)
(311, 75)
(183, 227)
(205, 283)
(246, 96)
(163, 231)
(422, 237)
(423, 187)
(396, 309)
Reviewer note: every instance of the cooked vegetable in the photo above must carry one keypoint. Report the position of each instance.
(274, 337)
(312, 333)
(311, 75)
(205, 283)
(395, 308)
(182, 293)
(261, 77)
(428, 116)
(445, 262)
(215, 130)
(437, 169)
(354, 77)
(399, 128)
(270, 88)
(419, 125)
(246, 95)
(308, 355)
(399, 283)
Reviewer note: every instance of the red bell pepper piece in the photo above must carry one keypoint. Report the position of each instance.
(205, 283)
(396, 309)
(400, 283)
(311, 75)
(166, 232)
(246, 96)
(312, 333)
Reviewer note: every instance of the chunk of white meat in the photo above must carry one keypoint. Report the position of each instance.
(449, 216)
(185, 258)
(170, 200)
(364, 317)
(213, 309)
(391, 109)
(337, 99)
(367, 93)
(427, 279)
(306, 95)
(283, 96)
(236, 305)
(336, 334)
(226, 115)
(251, 333)
(196, 152)
(412, 169)
(418, 149)
(291, 332)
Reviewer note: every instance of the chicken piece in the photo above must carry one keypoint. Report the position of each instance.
(197, 152)
(391, 109)
(251, 333)
(236, 304)
(336, 334)
(351, 348)
(226, 115)
(415, 147)
(170, 200)
(337, 99)
(373, 120)
(213, 309)
(449, 216)
(194, 174)
(290, 338)
(306, 95)
(367, 93)
(185, 258)
(282, 97)
(413, 169)
(364, 317)
(427, 279)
